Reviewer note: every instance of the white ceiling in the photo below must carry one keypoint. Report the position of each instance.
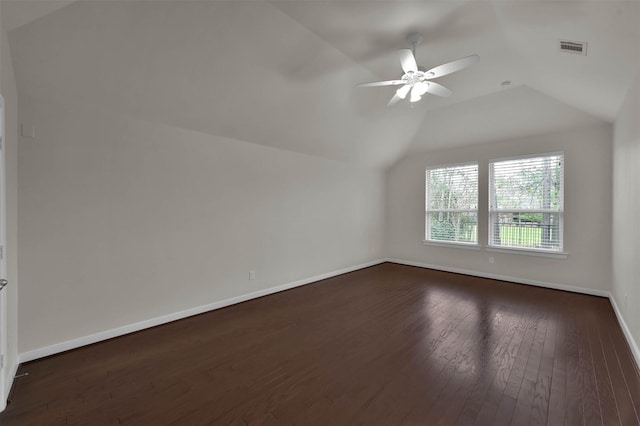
(283, 73)
(18, 13)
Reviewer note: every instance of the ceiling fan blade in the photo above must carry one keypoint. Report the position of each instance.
(382, 83)
(403, 91)
(408, 61)
(394, 100)
(438, 89)
(452, 66)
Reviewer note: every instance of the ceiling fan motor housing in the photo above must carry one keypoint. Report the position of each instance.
(414, 38)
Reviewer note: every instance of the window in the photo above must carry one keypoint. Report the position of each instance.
(526, 202)
(452, 204)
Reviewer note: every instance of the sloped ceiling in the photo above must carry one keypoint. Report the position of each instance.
(16, 14)
(283, 73)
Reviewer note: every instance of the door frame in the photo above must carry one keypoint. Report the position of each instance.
(4, 383)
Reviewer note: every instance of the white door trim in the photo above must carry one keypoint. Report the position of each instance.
(4, 381)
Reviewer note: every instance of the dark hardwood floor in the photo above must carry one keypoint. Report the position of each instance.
(386, 345)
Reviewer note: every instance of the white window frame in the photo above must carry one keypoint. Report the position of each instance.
(492, 212)
(428, 240)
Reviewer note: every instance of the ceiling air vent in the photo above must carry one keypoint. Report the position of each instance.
(579, 47)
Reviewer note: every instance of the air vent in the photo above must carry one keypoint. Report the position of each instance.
(579, 47)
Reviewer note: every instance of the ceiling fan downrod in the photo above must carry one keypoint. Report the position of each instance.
(414, 39)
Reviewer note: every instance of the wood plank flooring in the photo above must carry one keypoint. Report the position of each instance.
(386, 345)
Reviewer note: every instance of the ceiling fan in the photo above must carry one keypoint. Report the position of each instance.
(416, 80)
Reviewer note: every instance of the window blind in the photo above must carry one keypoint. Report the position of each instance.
(526, 202)
(452, 204)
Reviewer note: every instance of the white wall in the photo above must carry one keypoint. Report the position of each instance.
(238, 69)
(626, 207)
(587, 211)
(123, 220)
(9, 92)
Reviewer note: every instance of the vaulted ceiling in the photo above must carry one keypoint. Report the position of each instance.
(284, 73)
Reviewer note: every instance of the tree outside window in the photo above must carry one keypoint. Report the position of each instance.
(526, 202)
(452, 204)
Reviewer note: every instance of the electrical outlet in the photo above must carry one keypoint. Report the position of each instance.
(27, 131)
(252, 275)
(491, 259)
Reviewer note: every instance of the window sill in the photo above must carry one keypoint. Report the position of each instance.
(467, 246)
(526, 252)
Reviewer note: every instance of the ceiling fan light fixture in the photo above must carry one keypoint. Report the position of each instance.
(415, 95)
(421, 87)
(417, 80)
(403, 91)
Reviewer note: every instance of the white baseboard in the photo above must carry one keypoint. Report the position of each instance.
(625, 329)
(627, 333)
(120, 331)
(517, 280)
